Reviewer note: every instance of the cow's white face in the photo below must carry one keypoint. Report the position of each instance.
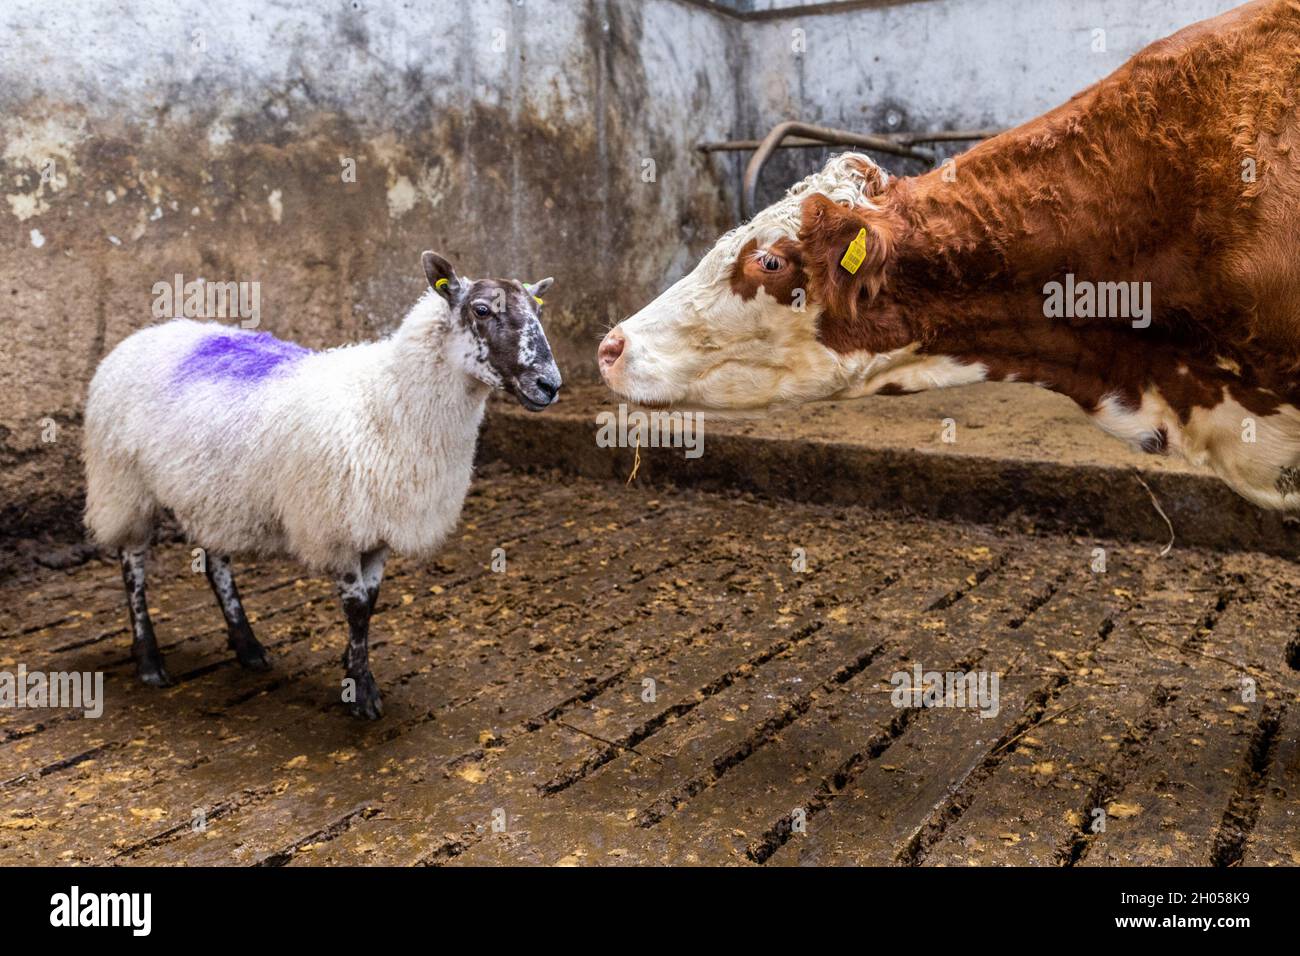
(745, 329)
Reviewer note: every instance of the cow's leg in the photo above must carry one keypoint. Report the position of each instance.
(359, 591)
(240, 637)
(144, 646)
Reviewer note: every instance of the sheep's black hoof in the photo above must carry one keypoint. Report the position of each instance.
(153, 673)
(253, 656)
(371, 709)
(368, 704)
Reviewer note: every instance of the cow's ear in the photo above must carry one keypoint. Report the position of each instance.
(846, 253)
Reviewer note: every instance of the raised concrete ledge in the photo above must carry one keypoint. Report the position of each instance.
(1022, 456)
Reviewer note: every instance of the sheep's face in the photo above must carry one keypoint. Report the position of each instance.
(500, 322)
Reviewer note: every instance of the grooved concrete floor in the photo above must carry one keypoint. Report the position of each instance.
(650, 681)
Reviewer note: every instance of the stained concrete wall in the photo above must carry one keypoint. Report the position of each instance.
(887, 66)
(947, 64)
(144, 138)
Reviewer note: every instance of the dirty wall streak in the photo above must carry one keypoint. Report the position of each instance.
(140, 140)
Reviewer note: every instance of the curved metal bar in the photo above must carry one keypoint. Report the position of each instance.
(946, 136)
(831, 137)
(905, 139)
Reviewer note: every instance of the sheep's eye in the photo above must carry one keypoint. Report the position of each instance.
(481, 310)
(771, 263)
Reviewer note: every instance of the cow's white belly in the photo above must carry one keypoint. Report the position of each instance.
(1258, 456)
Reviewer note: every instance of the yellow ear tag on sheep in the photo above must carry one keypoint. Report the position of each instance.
(856, 253)
(537, 299)
(440, 283)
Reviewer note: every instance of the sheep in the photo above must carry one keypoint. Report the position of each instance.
(334, 458)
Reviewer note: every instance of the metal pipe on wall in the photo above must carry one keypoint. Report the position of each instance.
(796, 135)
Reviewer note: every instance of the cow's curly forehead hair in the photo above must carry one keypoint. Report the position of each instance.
(850, 179)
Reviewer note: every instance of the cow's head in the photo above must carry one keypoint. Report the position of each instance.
(771, 316)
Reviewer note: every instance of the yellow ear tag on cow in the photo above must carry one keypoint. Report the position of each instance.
(856, 253)
(440, 283)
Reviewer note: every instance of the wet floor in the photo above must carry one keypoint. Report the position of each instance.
(663, 676)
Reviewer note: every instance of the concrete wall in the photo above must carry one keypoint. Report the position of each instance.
(945, 64)
(886, 66)
(144, 138)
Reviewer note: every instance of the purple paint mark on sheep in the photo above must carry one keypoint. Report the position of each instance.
(239, 355)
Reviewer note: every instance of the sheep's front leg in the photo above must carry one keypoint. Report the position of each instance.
(144, 646)
(359, 590)
(240, 637)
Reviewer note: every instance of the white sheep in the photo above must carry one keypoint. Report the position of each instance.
(260, 445)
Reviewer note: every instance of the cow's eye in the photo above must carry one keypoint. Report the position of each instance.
(481, 310)
(771, 263)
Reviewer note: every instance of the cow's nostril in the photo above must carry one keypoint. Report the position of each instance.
(610, 349)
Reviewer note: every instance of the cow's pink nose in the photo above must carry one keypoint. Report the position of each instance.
(610, 349)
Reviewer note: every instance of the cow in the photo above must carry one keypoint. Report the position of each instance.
(1136, 249)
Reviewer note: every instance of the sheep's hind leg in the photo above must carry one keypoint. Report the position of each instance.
(144, 646)
(359, 590)
(240, 638)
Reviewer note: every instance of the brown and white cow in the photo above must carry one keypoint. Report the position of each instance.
(1178, 174)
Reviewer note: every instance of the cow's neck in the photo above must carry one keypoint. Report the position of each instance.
(974, 255)
(968, 286)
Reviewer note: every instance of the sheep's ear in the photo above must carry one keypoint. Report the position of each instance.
(442, 277)
(538, 289)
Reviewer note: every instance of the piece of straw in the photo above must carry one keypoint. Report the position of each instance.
(636, 462)
(1160, 511)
